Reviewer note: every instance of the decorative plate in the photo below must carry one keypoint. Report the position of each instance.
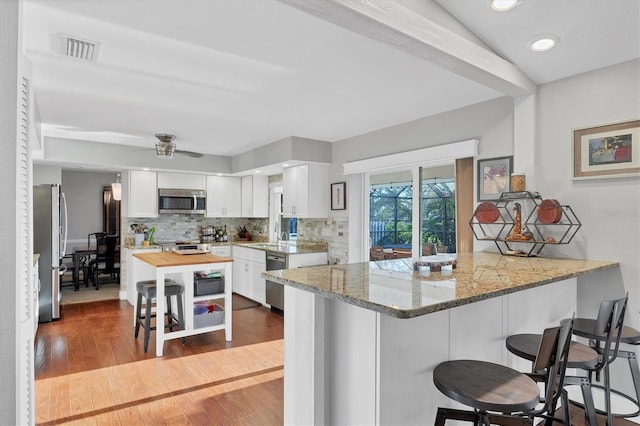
(487, 212)
(549, 211)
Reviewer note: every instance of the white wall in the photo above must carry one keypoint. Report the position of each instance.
(10, 338)
(43, 174)
(83, 191)
(609, 209)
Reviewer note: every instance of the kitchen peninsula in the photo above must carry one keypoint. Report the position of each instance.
(362, 340)
(181, 268)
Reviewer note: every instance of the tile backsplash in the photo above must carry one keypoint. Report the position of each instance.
(181, 227)
(333, 231)
(184, 227)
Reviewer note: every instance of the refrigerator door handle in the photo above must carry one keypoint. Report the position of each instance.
(64, 226)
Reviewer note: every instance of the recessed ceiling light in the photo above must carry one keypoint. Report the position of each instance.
(503, 5)
(258, 171)
(542, 43)
(285, 165)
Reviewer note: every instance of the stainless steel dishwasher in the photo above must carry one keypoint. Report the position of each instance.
(275, 291)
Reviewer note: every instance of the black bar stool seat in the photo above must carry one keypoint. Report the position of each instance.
(147, 289)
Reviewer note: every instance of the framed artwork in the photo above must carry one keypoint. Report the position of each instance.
(610, 150)
(338, 196)
(494, 177)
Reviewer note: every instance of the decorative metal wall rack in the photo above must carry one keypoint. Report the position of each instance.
(522, 223)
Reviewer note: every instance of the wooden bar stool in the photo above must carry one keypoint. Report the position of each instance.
(588, 358)
(502, 395)
(147, 289)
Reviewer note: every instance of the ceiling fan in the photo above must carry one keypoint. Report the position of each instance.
(165, 147)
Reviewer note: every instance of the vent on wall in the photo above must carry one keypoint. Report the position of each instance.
(78, 48)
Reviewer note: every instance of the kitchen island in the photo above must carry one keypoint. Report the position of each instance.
(362, 340)
(181, 269)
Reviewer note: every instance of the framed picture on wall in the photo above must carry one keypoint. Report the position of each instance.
(494, 177)
(338, 196)
(610, 150)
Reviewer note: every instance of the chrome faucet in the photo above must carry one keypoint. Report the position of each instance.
(284, 236)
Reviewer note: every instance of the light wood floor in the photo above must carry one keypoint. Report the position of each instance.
(91, 371)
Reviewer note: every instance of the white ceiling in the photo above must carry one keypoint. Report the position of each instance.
(227, 76)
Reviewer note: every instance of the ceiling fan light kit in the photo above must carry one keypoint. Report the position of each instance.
(165, 147)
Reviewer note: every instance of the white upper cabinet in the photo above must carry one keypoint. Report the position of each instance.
(143, 193)
(181, 181)
(255, 196)
(223, 196)
(306, 191)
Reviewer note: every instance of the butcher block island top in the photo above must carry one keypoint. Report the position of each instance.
(166, 259)
(398, 289)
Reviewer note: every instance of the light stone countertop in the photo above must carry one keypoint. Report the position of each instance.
(287, 247)
(392, 287)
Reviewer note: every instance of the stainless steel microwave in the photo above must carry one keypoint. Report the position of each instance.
(190, 201)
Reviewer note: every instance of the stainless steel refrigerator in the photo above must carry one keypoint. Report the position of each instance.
(50, 241)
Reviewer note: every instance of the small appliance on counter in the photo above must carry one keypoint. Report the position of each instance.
(169, 245)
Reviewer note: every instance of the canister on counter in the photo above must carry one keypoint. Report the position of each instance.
(518, 182)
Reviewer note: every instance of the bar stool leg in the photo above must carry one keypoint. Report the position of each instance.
(181, 314)
(607, 395)
(138, 312)
(147, 324)
(169, 314)
(635, 373)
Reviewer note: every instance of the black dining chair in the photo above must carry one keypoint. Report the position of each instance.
(501, 395)
(107, 261)
(95, 240)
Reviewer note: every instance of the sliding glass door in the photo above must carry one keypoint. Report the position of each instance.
(396, 209)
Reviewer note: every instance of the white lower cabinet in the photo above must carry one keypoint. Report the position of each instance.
(306, 259)
(224, 251)
(137, 271)
(248, 266)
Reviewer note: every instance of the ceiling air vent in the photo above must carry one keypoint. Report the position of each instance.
(78, 48)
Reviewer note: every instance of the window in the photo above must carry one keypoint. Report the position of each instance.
(391, 212)
(439, 213)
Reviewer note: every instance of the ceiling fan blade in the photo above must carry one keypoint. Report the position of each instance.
(189, 153)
